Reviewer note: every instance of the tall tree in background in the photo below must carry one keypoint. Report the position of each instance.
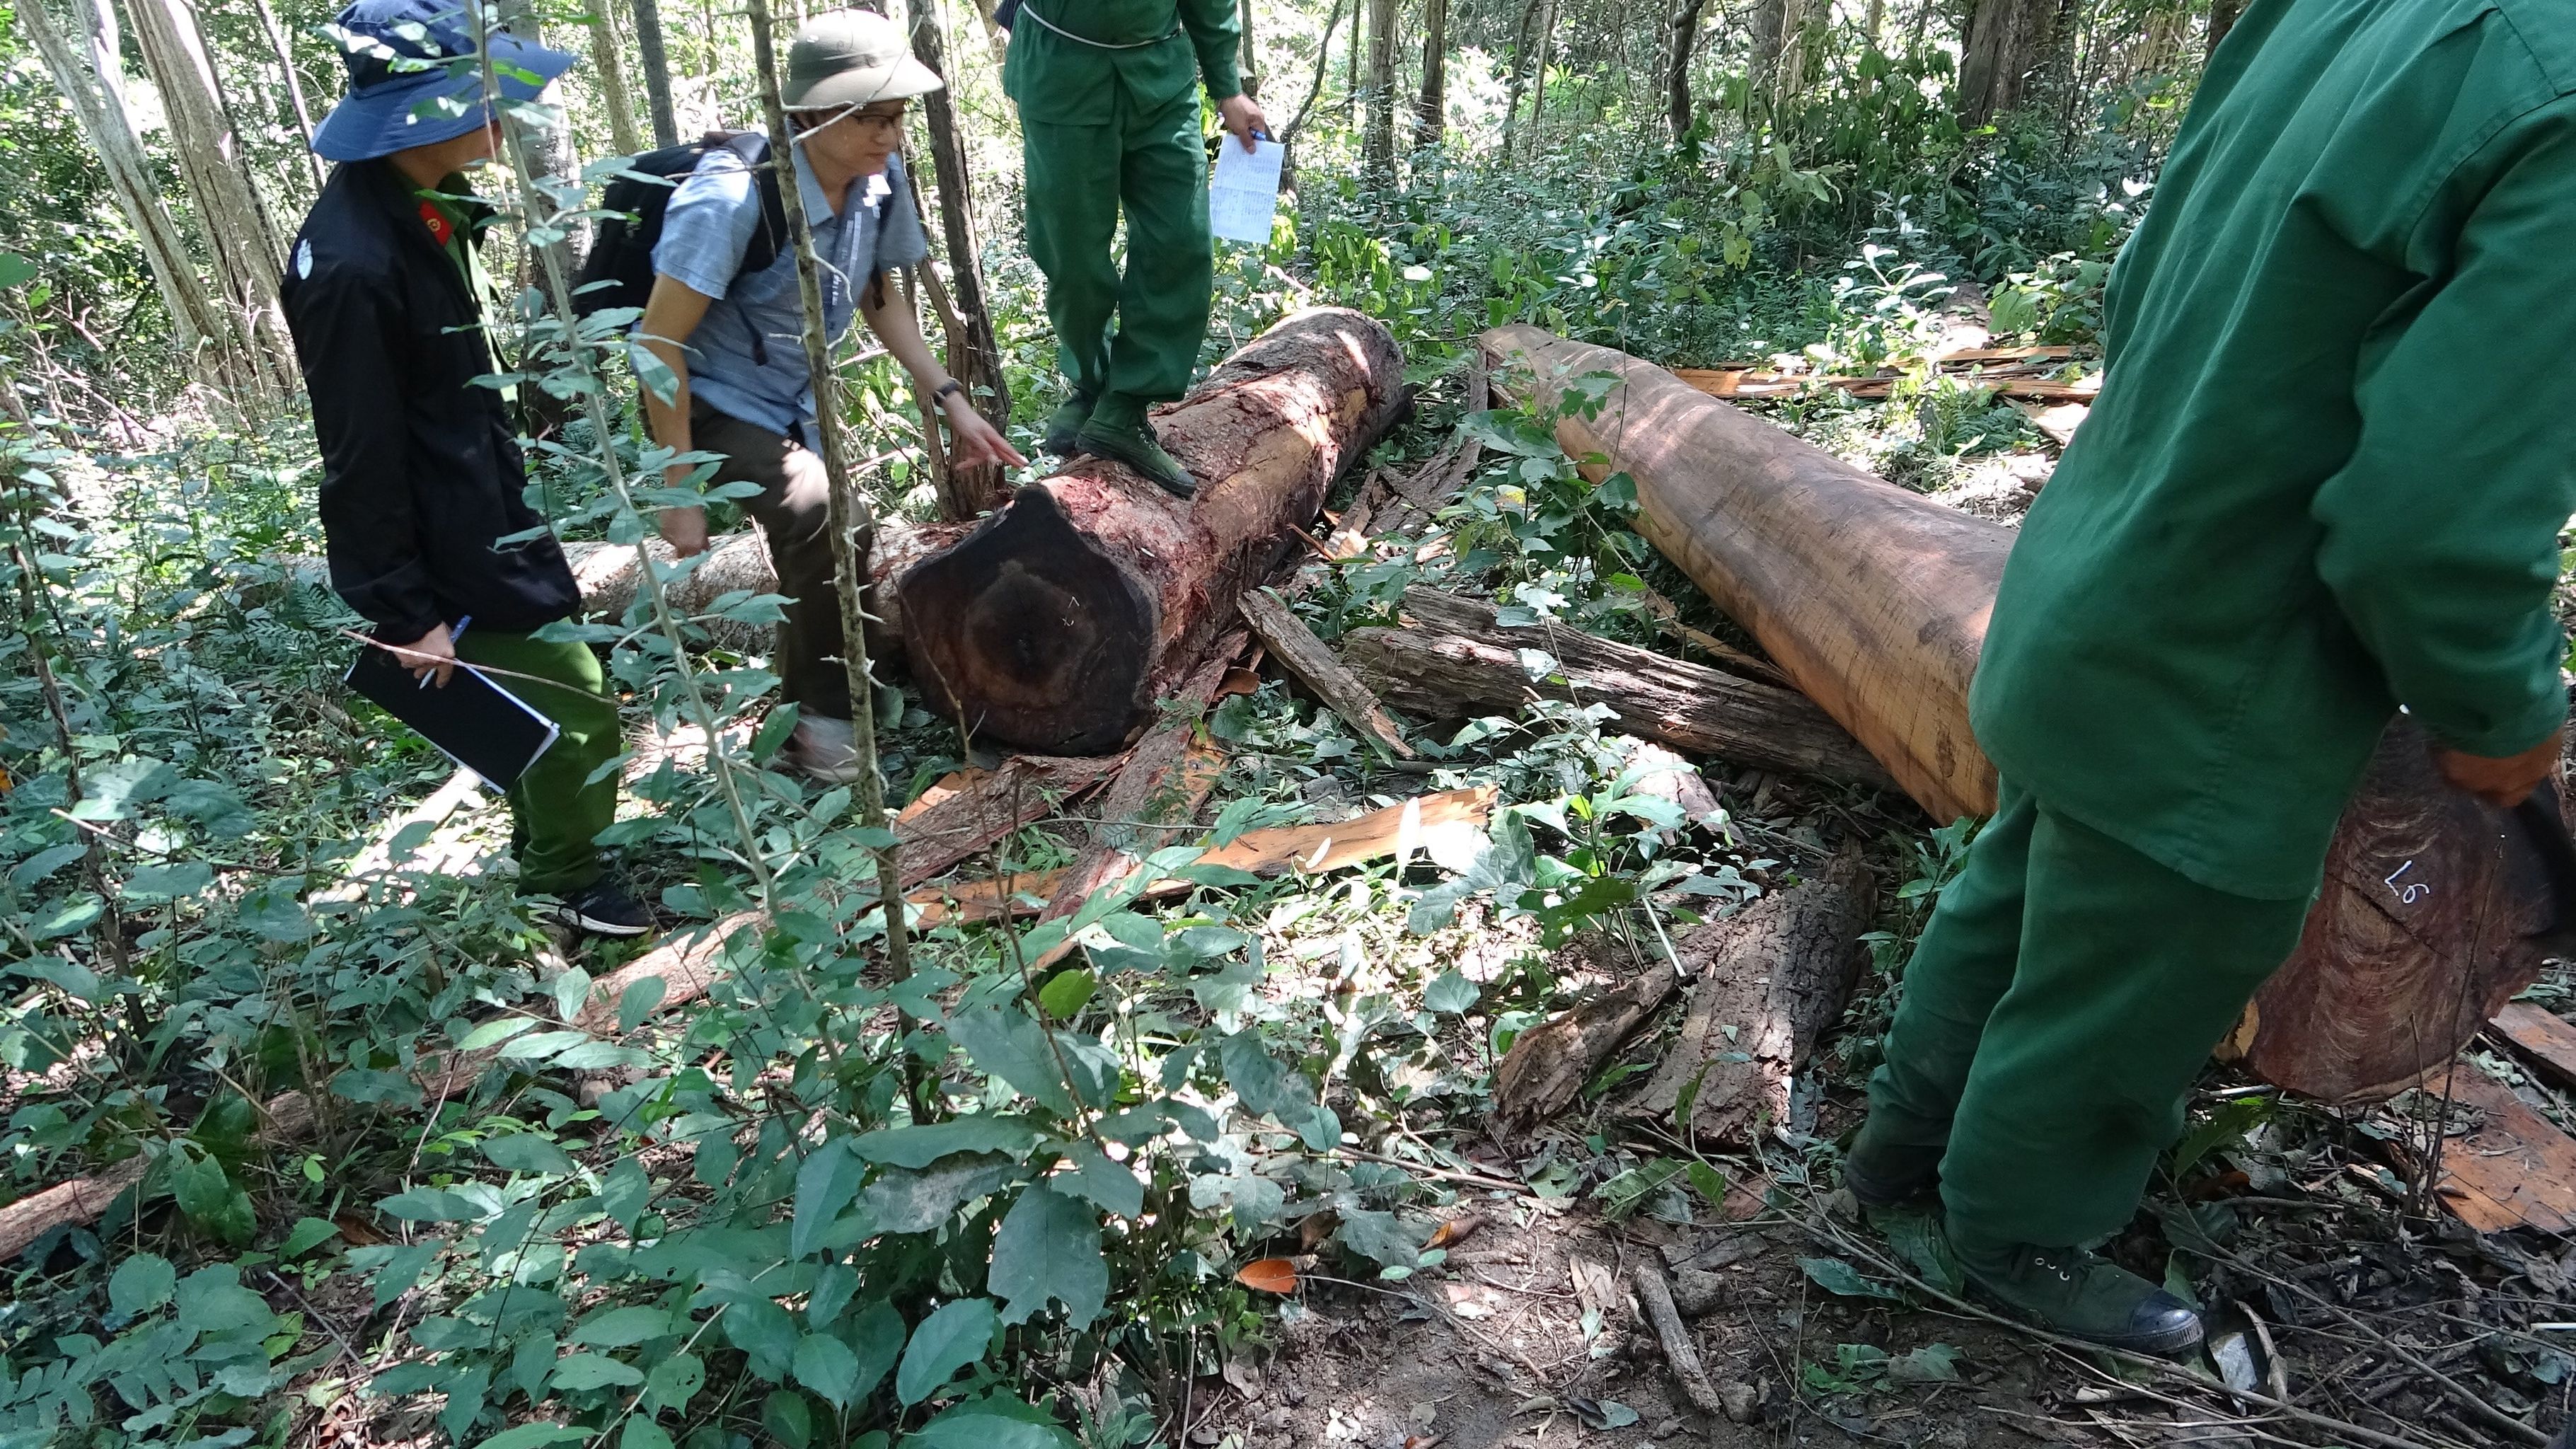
(241, 240)
(1248, 59)
(285, 53)
(2222, 19)
(2005, 42)
(657, 72)
(96, 91)
(1537, 18)
(1431, 108)
(1377, 149)
(974, 351)
(608, 61)
(1677, 63)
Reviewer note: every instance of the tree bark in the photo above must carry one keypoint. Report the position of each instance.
(1548, 1065)
(1874, 601)
(739, 563)
(1677, 79)
(550, 146)
(1248, 57)
(1307, 659)
(1058, 624)
(1431, 107)
(279, 45)
(1377, 151)
(239, 236)
(608, 57)
(1776, 976)
(1455, 661)
(657, 71)
(974, 351)
(2222, 19)
(2005, 43)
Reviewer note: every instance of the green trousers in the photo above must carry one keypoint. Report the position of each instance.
(1150, 161)
(2066, 991)
(556, 809)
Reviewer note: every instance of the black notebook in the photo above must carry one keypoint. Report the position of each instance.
(480, 725)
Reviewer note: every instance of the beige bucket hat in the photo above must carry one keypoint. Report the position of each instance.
(851, 58)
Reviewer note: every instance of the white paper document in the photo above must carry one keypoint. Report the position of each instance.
(1245, 194)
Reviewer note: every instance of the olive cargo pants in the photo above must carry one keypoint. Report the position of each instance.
(556, 809)
(1151, 162)
(2063, 996)
(794, 511)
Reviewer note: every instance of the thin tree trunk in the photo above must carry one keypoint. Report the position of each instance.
(849, 568)
(974, 350)
(238, 234)
(1248, 59)
(657, 71)
(1677, 64)
(1431, 109)
(1377, 159)
(1352, 84)
(2005, 43)
(1518, 80)
(549, 146)
(97, 99)
(278, 43)
(1000, 40)
(2222, 19)
(1323, 63)
(608, 57)
(1789, 77)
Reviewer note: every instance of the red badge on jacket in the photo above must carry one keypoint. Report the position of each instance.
(440, 228)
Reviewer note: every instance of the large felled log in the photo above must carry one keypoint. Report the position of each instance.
(739, 562)
(1771, 979)
(1875, 601)
(1060, 622)
(1460, 660)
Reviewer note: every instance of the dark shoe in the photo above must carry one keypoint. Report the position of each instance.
(602, 908)
(1881, 1173)
(1135, 445)
(1064, 426)
(2084, 1295)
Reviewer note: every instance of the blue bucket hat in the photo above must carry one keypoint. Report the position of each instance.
(416, 76)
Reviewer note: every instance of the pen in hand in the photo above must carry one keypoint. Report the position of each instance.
(454, 633)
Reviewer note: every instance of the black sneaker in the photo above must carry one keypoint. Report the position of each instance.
(1064, 426)
(602, 908)
(2084, 1295)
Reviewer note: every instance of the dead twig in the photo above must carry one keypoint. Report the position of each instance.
(1680, 1354)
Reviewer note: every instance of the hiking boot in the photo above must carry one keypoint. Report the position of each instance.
(2083, 1295)
(1064, 426)
(1883, 1173)
(1135, 445)
(824, 750)
(602, 908)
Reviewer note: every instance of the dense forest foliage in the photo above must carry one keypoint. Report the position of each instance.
(329, 1140)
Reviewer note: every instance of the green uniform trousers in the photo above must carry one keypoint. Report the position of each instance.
(2064, 994)
(1149, 159)
(556, 808)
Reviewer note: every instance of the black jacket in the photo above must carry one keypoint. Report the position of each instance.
(421, 472)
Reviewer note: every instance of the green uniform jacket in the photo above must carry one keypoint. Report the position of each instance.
(1161, 48)
(2333, 451)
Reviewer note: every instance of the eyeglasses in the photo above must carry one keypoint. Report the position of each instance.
(874, 116)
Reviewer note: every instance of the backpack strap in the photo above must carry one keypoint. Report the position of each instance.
(771, 237)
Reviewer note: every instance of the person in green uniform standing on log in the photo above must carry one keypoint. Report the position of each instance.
(1109, 120)
(2325, 479)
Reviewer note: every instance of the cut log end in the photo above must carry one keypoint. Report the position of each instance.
(1052, 638)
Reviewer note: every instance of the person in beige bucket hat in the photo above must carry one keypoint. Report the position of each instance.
(728, 333)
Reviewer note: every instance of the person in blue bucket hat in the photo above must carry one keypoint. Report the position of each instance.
(423, 513)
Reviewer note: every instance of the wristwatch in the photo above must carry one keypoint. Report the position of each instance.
(945, 388)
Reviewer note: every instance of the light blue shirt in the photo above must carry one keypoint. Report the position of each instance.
(747, 358)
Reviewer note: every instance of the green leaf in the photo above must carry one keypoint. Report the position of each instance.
(1707, 1181)
(1450, 994)
(1004, 1041)
(876, 1338)
(1067, 992)
(638, 1002)
(1836, 1276)
(1049, 1248)
(642, 1433)
(223, 813)
(1113, 1186)
(901, 1201)
(1916, 1237)
(1383, 1237)
(1933, 1363)
(76, 981)
(624, 1327)
(676, 1380)
(595, 1371)
(529, 1436)
(921, 1146)
(623, 1191)
(169, 881)
(71, 916)
(140, 1284)
(974, 1426)
(765, 1334)
(1268, 1087)
(35, 868)
(542, 1044)
(835, 1284)
(527, 1152)
(430, 1205)
(207, 1195)
(15, 271)
(825, 1183)
(952, 1337)
(828, 1367)
(571, 991)
(788, 1418)
(308, 1234)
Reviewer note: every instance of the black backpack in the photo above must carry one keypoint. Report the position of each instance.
(621, 256)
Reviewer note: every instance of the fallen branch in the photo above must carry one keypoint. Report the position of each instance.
(969, 811)
(1548, 1064)
(1304, 656)
(1681, 1355)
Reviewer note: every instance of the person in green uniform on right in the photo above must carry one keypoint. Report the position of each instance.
(1109, 119)
(2325, 479)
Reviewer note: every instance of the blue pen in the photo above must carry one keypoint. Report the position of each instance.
(453, 634)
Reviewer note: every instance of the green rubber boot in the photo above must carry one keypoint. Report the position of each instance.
(1135, 445)
(2082, 1295)
(1064, 425)
(1882, 1172)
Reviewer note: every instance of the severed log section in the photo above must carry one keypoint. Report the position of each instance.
(739, 562)
(1771, 978)
(1059, 623)
(973, 809)
(1304, 656)
(1460, 661)
(1874, 601)
(1548, 1064)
